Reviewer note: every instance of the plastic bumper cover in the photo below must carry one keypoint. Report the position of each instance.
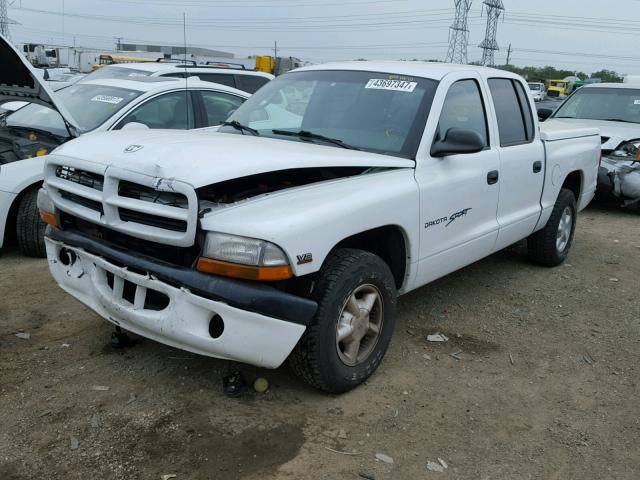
(183, 323)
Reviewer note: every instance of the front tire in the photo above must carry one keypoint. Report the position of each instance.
(550, 246)
(352, 328)
(30, 227)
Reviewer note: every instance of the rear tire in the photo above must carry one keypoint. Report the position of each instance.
(30, 227)
(550, 246)
(340, 349)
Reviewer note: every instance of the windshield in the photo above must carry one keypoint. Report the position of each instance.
(535, 86)
(376, 112)
(117, 72)
(90, 105)
(558, 84)
(620, 104)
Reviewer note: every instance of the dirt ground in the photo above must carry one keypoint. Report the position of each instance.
(545, 387)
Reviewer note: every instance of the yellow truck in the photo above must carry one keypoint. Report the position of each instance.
(110, 59)
(557, 88)
(265, 64)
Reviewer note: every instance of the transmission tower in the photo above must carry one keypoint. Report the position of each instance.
(489, 45)
(459, 33)
(4, 20)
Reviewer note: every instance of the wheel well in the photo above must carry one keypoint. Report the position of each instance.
(386, 242)
(573, 182)
(10, 236)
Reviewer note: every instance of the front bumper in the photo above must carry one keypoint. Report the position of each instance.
(247, 336)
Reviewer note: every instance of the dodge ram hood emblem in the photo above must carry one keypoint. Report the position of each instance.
(132, 148)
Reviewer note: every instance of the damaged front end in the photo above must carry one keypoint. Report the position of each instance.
(619, 173)
(244, 188)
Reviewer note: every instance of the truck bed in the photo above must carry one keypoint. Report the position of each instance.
(550, 133)
(569, 150)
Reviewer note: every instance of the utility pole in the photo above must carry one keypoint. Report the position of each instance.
(459, 33)
(275, 49)
(489, 45)
(509, 55)
(4, 20)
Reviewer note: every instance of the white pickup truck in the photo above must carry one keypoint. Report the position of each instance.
(291, 231)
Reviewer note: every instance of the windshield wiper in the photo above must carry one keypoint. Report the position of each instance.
(304, 134)
(238, 126)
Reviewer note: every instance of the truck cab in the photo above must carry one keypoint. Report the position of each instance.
(557, 88)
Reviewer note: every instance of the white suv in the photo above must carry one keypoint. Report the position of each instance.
(246, 80)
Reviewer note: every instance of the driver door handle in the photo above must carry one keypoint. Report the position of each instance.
(537, 166)
(492, 177)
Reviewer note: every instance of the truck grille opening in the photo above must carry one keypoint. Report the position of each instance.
(81, 177)
(153, 300)
(148, 194)
(85, 202)
(152, 220)
(181, 256)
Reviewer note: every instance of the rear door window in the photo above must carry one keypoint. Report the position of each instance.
(523, 98)
(218, 106)
(513, 113)
(221, 78)
(170, 110)
(250, 83)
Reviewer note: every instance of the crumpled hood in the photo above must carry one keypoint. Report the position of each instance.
(616, 132)
(203, 158)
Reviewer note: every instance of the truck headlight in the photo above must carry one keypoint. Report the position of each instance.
(242, 257)
(46, 208)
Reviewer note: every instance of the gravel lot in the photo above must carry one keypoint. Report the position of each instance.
(546, 385)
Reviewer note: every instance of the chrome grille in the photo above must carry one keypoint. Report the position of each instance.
(151, 208)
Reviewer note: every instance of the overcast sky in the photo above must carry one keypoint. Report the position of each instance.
(586, 35)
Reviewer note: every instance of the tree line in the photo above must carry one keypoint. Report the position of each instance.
(540, 74)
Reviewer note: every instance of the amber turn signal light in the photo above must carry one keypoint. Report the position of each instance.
(246, 272)
(48, 218)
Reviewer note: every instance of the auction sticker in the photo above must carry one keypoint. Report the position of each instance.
(394, 85)
(107, 99)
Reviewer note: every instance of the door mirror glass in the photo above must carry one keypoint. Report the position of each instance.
(458, 141)
(544, 113)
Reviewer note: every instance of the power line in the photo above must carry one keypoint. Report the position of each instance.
(246, 3)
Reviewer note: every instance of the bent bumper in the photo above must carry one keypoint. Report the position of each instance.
(120, 296)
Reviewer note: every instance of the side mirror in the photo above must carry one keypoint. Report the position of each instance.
(135, 126)
(458, 141)
(544, 113)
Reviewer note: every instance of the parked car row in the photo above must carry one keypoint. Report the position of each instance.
(113, 98)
